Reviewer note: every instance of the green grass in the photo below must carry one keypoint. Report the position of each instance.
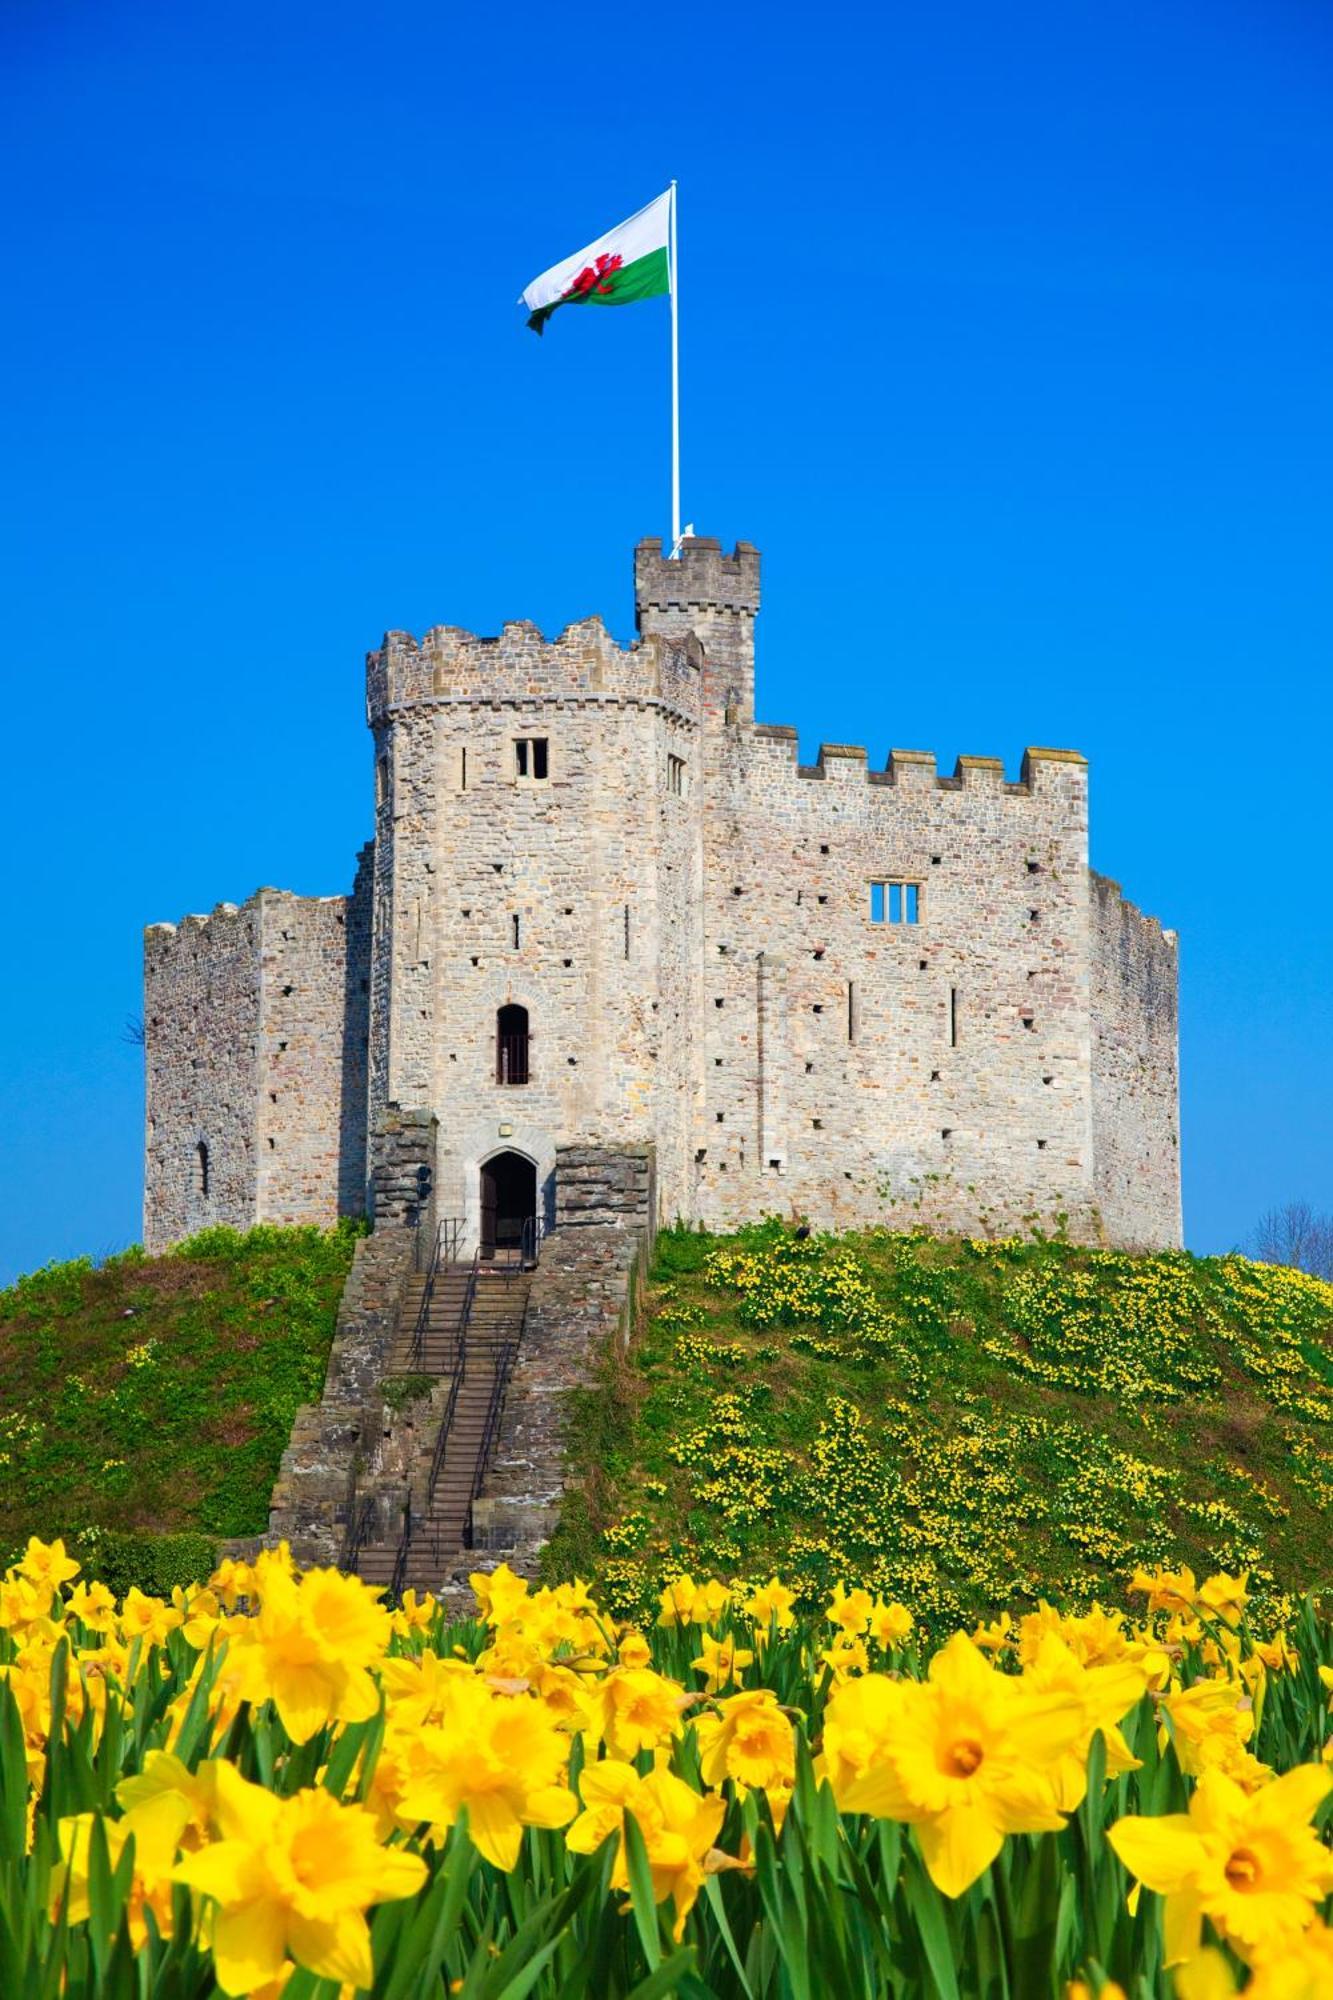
(964, 1424)
(150, 1397)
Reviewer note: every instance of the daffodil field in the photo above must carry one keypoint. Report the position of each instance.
(959, 1424)
(271, 1783)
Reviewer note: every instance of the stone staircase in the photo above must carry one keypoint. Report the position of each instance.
(460, 1428)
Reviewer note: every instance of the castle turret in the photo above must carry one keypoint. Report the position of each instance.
(714, 596)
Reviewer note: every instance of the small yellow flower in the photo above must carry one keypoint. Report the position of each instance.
(47, 1562)
(678, 1828)
(722, 1661)
(771, 1606)
(890, 1625)
(850, 1610)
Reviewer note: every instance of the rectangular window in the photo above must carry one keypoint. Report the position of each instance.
(853, 1011)
(895, 902)
(676, 776)
(531, 765)
(953, 1017)
(462, 769)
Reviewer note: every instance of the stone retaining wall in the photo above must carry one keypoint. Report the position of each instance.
(345, 1444)
(584, 1293)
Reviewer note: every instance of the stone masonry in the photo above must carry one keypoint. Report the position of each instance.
(848, 994)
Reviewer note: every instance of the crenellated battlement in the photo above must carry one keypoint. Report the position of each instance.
(915, 770)
(700, 578)
(520, 663)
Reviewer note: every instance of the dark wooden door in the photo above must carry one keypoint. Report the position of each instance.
(488, 1209)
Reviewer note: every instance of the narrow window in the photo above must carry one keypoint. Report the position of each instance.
(381, 780)
(511, 1045)
(895, 902)
(201, 1167)
(851, 1010)
(627, 930)
(462, 768)
(676, 775)
(953, 1017)
(531, 762)
(514, 921)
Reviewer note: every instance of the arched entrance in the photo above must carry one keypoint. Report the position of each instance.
(508, 1201)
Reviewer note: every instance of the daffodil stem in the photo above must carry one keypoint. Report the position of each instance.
(1005, 1917)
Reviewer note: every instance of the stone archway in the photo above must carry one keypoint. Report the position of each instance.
(508, 1202)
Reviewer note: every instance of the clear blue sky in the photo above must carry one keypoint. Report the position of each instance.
(1006, 335)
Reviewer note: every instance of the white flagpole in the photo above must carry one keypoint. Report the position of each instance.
(675, 385)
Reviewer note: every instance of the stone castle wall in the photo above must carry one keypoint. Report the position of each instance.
(685, 913)
(1135, 1072)
(201, 1031)
(255, 1031)
(858, 1070)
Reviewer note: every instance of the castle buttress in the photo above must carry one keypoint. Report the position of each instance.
(603, 906)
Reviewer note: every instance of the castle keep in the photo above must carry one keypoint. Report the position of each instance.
(606, 908)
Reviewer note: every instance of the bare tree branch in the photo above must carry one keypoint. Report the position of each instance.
(1296, 1235)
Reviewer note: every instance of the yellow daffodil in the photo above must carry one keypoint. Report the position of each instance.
(1224, 1596)
(499, 1756)
(721, 1661)
(890, 1625)
(1167, 1590)
(633, 1650)
(309, 1650)
(292, 1877)
(93, 1605)
(1250, 1863)
(146, 1618)
(1299, 1969)
(750, 1740)
(640, 1710)
(770, 1608)
(1209, 1723)
(678, 1828)
(966, 1757)
(850, 1610)
(156, 1827)
(995, 1636)
(498, 1592)
(47, 1563)
(1108, 1693)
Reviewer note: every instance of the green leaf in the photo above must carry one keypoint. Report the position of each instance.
(642, 1900)
(926, 1906)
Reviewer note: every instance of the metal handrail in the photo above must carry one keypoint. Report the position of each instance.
(360, 1521)
(442, 1435)
(504, 1364)
(399, 1577)
(455, 1386)
(418, 1342)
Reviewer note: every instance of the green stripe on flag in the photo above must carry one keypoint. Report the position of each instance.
(646, 278)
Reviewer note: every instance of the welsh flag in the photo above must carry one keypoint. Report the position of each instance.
(632, 261)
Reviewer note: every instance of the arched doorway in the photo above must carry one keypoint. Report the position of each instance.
(508, 1201)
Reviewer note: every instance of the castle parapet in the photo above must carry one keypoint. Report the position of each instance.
(520, 664)
(700, 578)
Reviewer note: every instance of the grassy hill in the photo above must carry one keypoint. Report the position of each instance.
(153, 1396)
(965, 1424)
